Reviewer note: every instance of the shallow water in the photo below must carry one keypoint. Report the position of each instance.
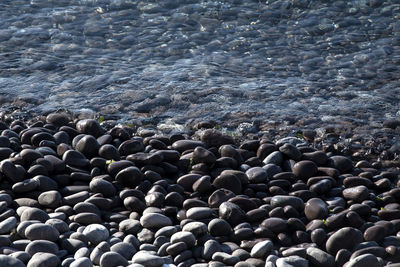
(225, 60)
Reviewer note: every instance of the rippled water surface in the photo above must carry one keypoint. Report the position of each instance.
(225, 60)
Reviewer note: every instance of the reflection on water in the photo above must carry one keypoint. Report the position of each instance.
(198, 59)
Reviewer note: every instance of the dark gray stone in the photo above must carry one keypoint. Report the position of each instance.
(42, 259)
(346, 238)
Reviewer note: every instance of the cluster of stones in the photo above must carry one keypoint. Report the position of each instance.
(73, 194)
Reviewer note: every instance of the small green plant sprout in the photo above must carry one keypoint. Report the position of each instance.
(300, 136)
(378, 198)
(100, 119)
(191, 163)
(330, 211)
(324, 221)
(382, 208)
(108, 162)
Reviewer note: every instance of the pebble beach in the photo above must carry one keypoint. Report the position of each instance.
(199, 133)
(74, 193)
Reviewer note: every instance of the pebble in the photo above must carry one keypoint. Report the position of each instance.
(146, 259)
(262, 249)
(210, 247)
(257, 175)
(112, 259)
(316, 208)
(50, 199)
(187, 237)
(6, 260)
(198, 213)
(225, 258)
(347, 238)
(7, 225)
(232, 213)
(295, 261)
(319, 257)
(102, 186)
(196, 228)
(96, 233)
(124, 249)
(228, 181)
(341, 163)
(41, 231)
(358, 193)
(155, 221)
(364, 260)
(81, 262)
(41, 246)
(44, 259)
(282, 201)
(305, 169)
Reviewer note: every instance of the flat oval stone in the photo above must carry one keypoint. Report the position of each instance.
(146, 259)
(198, 213)
(96, 233)
(319, 257)
(34, 214)
(305, 169)
(225, 258)
(57, 119)
(155, 220)
(262, 249)
(275, 157)
(202, 155)
(88, 146)
(375, 233)
(182, 145)
(316, 208)
(25, 186)
(187, 237)
(364, 260)
(196, 228)
(341, 163)
(87, 218)
(9, 261)
(112, 259)
(358, 193)
(290, 151)
(44, 259)
(232, 213)
(75, 158)
(282, 201)
(51, 199)
(124, 249)
(41, 231)
(291, 261)
(228, 181)
(129, 147)
(219, 196)
(89, 126)
(41, 246)
(81, 262)
(219, 227)
(346, 238)
(257, 175)
(130, 176)
(130, 226)
(7, 225)
(99, 185)
(276, 225)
